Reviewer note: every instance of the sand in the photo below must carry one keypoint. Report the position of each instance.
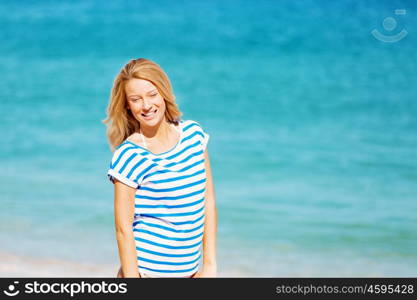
(12, 265)
(21, 266)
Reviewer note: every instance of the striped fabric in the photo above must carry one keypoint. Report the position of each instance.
(169, 202)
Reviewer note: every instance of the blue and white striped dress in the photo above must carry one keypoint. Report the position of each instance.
(169, 214)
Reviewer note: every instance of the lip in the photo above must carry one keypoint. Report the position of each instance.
(149, 117)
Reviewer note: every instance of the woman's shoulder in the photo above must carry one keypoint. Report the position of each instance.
(129, 145)
(134, 139)
(192, 123)
(197, 130)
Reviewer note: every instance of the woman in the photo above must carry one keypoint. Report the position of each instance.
(164, 201)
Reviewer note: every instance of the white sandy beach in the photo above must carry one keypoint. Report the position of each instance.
(19, 266)
(12, 265)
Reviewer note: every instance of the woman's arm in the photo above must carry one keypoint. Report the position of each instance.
(210, 226)
(124, 206)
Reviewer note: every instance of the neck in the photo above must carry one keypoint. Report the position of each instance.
(160, 131)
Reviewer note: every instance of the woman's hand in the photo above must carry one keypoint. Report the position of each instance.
(120, 273)
(206, 272)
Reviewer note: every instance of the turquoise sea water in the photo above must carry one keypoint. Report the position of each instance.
(312, 123)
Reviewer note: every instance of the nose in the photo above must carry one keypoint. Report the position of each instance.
(146, 104)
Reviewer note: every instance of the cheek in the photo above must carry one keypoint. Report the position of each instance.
(135, 108)
(161, 104)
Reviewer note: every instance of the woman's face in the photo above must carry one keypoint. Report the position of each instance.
(145, 102)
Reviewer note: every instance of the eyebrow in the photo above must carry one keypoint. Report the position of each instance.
(146, 93)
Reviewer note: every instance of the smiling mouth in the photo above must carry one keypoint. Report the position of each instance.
(150, 114)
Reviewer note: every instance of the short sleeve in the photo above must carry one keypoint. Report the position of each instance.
(204, 136)
(124, 166)
(205, 140)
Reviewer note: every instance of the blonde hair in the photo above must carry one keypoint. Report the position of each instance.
(120, 121)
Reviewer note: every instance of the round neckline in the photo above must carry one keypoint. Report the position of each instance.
(172, 149)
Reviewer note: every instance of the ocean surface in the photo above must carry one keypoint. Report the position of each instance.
(312, 123)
